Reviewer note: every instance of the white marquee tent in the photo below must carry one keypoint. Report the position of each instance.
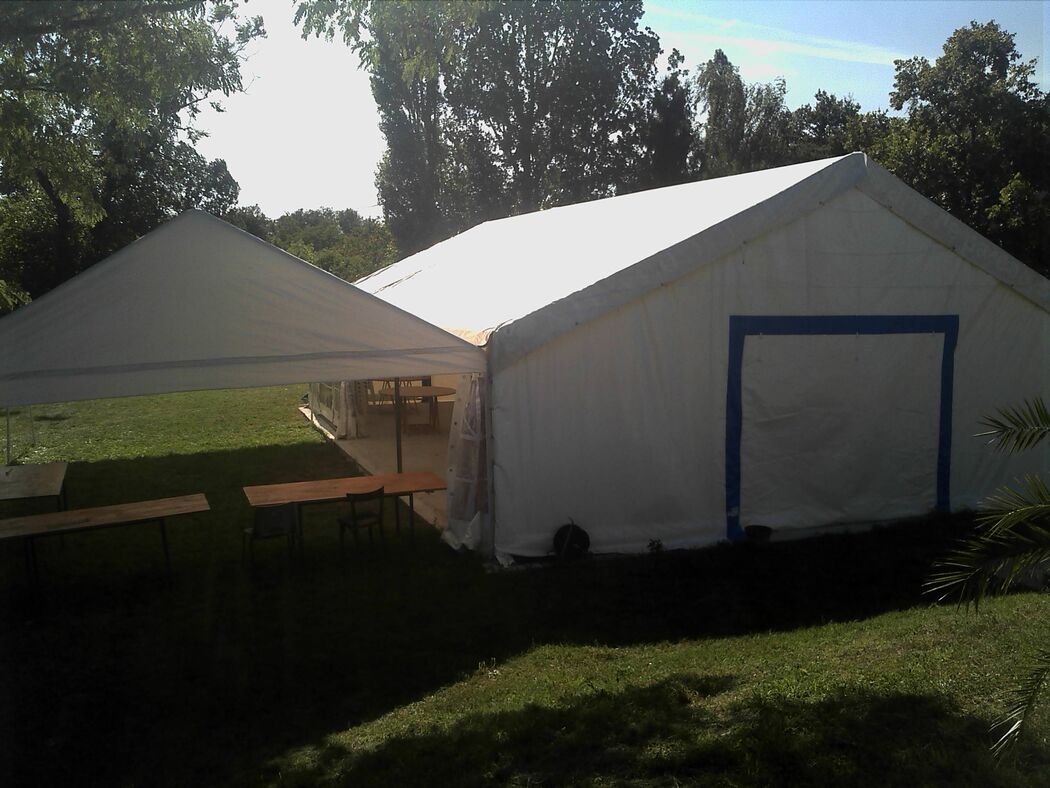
(200, 304)
(797, 347)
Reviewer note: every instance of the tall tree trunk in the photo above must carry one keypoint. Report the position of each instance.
(66, 261)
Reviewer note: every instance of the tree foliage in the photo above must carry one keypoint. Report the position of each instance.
(250, 218)
(974, 138)
(667, 138)
(341, 242)
(11, 297)
(497, 107)
(833, 126)
(745, 126)
(97, 102)
(488, 108)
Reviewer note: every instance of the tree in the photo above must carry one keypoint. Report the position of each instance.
(251, 219)
(745, 127)
(147, 177)
(667, 139)
(498, 107)
(824, 126)
(35, 20)
(975, 138)
(768, 128)
(1013, 539)
(722, 101)
(140, 186)
(556, 92)
(11, 297)
(95, 99)
(341, 242)
(403, 45)
(316, 229)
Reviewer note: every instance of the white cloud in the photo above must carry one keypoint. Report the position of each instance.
(767, 41)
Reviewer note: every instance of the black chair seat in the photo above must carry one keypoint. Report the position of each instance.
(363, 520)
(362, 515)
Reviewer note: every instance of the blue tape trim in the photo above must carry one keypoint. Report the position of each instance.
(742, 326)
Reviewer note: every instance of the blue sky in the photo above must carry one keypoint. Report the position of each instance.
(842, 47)
(305, 135)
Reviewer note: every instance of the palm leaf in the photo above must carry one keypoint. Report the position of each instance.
(988, 564)
(1018, 428)
(1010, 507)
(1022, 701)
(1013, 536)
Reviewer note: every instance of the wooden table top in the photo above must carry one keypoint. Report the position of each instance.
(406, 483)
(101, 516)
(32, 481)
(424, 391)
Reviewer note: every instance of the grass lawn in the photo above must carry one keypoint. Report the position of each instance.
(807, 663)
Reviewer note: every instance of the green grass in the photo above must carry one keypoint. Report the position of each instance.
(806, 663)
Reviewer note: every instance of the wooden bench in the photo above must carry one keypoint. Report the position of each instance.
(36, 525)
(34, 481)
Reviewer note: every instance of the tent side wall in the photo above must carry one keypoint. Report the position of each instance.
(620, 423)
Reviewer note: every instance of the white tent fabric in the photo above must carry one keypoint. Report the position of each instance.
(200, 304)
(530, 251)
(799, 347)
(563, 266)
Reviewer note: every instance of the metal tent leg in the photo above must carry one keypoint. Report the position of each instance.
(397, 422)
(164, 543)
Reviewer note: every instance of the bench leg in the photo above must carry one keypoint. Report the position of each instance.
(164, 543)
(412, 519)
(60, 506)
(31, 567)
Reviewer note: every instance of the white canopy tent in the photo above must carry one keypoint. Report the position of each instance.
(200, 304)
(796, 347)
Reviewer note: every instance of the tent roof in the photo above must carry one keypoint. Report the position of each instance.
(200, 304)
(536, 275)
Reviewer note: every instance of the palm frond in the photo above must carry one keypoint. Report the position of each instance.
(1010, 507)
(1022, 701)
(989, 564)
(1019, 427)
(1013, 537)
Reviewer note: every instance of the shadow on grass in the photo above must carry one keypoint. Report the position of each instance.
(599, 734)
(54, 417)
(670, 733)
(114, 673)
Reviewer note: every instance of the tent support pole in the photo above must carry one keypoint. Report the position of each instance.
(7, 413)
(490, 461)
(397, 421)
(32, 427)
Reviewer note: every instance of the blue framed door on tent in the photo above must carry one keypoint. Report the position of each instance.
(837, 419)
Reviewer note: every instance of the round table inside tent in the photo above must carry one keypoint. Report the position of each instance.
(430, 394)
